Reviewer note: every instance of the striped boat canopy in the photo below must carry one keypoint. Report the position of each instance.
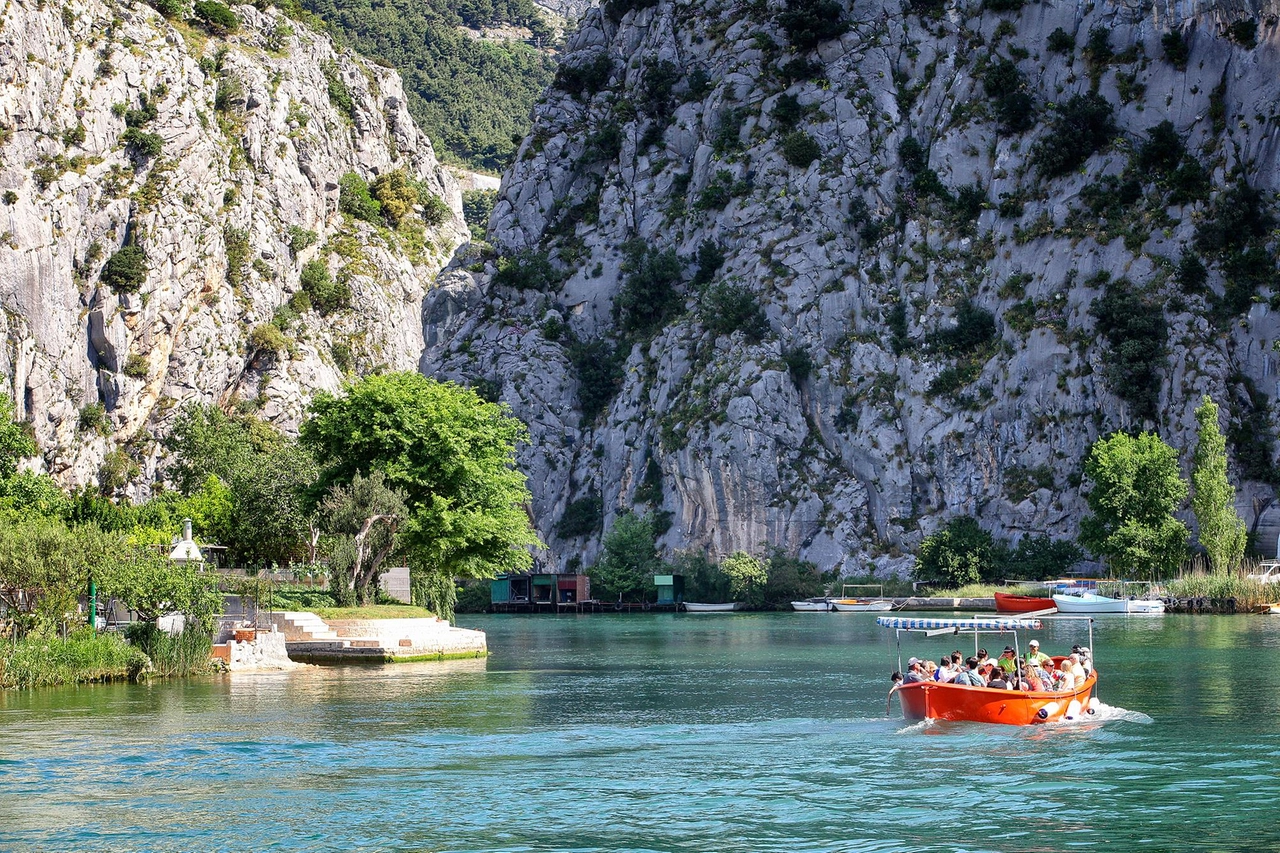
(993, 624)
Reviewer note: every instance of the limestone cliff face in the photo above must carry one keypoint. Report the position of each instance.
(252, 148)
(855, 424)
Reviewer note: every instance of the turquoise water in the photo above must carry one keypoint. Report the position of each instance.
(658, 733)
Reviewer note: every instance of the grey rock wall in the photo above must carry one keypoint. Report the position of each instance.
(264, 158)
(853, 464)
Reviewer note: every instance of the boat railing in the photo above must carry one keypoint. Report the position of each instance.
(878, 587)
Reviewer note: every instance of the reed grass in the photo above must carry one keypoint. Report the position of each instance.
(81, 657)
(186, 653)
(1247, 592)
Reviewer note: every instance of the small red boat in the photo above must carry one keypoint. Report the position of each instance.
(931, 700)
(1006, 603)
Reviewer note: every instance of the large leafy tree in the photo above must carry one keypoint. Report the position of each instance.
(44, 567)
(629, 560)
(747, 577)
(1134, 490)
(148, 582)
(1222, 531)
(958, 554)
(264, 476)
(452, 455)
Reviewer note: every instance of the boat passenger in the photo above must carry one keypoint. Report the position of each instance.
(1007, 661)
(1068, 681)
(915, 672)
(930, 670)
(1086, 658)
(1077, 669)
(1031, 681)
(983, 660)
(998, 680)
(969, 674)
(945, 674)
(1034, 655)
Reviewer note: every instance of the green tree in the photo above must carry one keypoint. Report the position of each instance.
(15, 443)
(272, 517)
(44, 567)
(363, 518)
(450, 452)
(1134, 489)
(269, 478)
(148, 582)
(703, 579)
(960, 553)
(790, 578)
(1221, 530)
(629, 561)
(747, 577)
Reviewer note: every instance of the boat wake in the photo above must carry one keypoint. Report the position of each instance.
(1104, 713)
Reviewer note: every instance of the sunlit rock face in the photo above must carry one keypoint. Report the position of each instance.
(929, 224)
(254, 136)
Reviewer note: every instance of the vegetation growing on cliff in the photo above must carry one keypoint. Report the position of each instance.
(471, 96)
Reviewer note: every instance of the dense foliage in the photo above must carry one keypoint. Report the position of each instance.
(472, 97)
(451, 455)
(1134, 490)
(1221, 530)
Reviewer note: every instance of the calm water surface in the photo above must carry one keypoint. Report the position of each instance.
(658, 733)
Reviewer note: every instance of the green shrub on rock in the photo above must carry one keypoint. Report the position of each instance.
(216, 17)
(126, 270)
(800, 149)
(326, 295)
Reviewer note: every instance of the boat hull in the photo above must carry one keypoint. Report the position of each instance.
(1006, 603)
(856, 605)
(697, 607)
(928, 700)
(820, 606)
(1101, 604)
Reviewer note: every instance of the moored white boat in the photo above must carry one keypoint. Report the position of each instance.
(703, 607)
(861, 605)
(1093, 603)
(812, 605)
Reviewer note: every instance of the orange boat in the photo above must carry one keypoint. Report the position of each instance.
(930, 700)
(1007, 603)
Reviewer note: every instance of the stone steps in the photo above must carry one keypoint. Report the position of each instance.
(302, 627)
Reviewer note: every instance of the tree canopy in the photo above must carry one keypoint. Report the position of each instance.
(451, 454)
(1134, 490)
(629, 560)
(1221, 530)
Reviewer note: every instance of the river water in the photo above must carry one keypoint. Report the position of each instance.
(659, 733)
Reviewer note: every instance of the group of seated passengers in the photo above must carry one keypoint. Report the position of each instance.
(1035, 673)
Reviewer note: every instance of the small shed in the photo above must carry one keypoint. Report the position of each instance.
(670, 588)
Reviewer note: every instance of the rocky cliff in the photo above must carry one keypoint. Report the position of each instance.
(866, 266)
(220, 159)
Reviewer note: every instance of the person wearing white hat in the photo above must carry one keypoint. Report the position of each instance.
(1036, 657)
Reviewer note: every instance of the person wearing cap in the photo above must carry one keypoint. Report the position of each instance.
(1007, 661)
(1034, 655)
(915, 672)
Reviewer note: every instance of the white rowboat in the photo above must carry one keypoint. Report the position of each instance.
(1092, 603)
(812, 605)
(698, 607)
